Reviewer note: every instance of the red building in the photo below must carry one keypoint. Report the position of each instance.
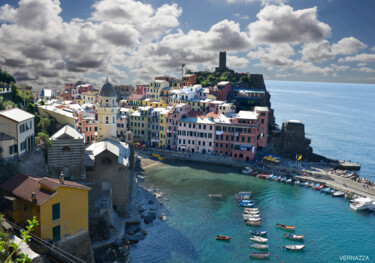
(221, 90)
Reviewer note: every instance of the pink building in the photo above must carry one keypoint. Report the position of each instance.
(87, 126)
(239, 135)
(196, 134)
(173, 117)
(85, 88)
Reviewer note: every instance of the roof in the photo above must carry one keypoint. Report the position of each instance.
(258, 108)
(135, 97)
(116, 147)
(293, 121)
(16, 115)
(68, 130)
(107, 90)
(23, 186)
(247, 115)
(5, 137)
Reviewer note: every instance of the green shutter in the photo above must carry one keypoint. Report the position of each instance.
(56, 233)
(56, 211)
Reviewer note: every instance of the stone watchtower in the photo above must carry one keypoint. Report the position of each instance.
(222, 62)
(107, 112)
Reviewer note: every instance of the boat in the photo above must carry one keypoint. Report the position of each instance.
(278, 178)
(246, 204)
(248, 167)
(319, 187)
(274, 177)
(251, 219)
(259, 246)
(286, 227)
(253, 223)
(247, 171)
(294, 247)
(304, 184)
(315, 185)
(260, 255)
(263, 176)
(311, 185)
(288, 181)
(259, 239)
(269, 176)
(294, 237)
(251, 209)
(297, 182)
(215, 195)
(325, 190)
(251, 212)
(258, 233)
(246, 201)
(338, 194)
(331, 191)
(220, 237)
(362, 204)
(283, 179)
(243, 197)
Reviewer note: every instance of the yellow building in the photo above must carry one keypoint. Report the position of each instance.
(89, 97)
(61, 207)
(162, 127)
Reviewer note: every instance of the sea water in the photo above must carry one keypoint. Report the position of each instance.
(339, 120)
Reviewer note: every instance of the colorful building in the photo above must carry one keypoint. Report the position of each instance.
(139, 122)
(60, 206)
(18, 124)
(88, 126)
(221, 90)
(163, 128)
(173, 117)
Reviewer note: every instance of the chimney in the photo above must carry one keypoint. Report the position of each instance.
(33, 197)
(61, 177)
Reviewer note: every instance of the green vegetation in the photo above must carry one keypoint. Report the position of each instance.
(44, 138)
(212, 78)
(9, 250)
(5, 77)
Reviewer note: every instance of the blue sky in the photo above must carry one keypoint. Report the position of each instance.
(48, 42)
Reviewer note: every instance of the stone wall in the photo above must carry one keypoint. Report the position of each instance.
(33, 163)
(79, 246)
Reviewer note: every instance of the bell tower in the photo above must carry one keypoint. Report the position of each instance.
(107, 112)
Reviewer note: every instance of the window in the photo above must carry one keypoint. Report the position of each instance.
(56, 211)
(11, 149)
(56, 233)
(262, 121)
(65, 149)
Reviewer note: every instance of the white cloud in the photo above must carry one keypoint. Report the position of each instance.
(339, 68)
(242, 17)
(281, 24)
(323, 50)
(364, 57)
(263, 2)
(366, 69)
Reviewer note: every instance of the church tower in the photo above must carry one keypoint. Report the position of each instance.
(107, 112)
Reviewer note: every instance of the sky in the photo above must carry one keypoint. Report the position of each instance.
(46, 43)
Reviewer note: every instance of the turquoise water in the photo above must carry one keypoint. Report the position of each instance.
(340, 121)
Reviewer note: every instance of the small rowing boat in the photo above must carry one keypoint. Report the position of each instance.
(259, 239)
(260, 255)
(286, 227)
(220, 237)
(297, 182)
(288, 181)
(215, 195)
(294, 237)
(294, 247)
(258, 233)
(319, 187)
(283, 179)
(259, 246)
(315, 186)
(325, 190)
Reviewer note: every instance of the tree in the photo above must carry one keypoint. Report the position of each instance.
(5, 77)
(244, 79)
(9, 250)
(44, 138)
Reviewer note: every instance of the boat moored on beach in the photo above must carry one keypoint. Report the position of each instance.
(260, 255)
(286, 227)
(294, 247)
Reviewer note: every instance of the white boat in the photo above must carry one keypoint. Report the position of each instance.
(289, 180)
(251, 209)
(297, 182)
(250, 216)
(338, 194)
(259, 239)
(251, 212)
(269, 176)
(294, 247)
(247, 171)
(252, 219)
(362, 204)
(310, 185)
(278, 178)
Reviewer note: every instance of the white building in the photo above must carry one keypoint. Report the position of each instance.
(107, 112)
(18, 124)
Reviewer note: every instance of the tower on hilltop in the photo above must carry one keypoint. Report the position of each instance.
(107, 111)
(222, 62)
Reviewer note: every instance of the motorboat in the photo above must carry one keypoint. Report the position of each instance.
(362, 204)
(283, 179)
(278, 178)
(319, 187)
(294, 247)
(331, 191)
(297, 182)
(304, 184)
(315, 185)
(261, 255)
(259, 246)
(251, 209)
(338, 194)
(220, 237)
(258, 233)
(247, 171)
(286, 227)
(244, 193)
(259, 239)
(311, 185)
(269, 176)
(294, 237)
(288, 181)
(251, 219)
(274, 177)
(243, 204)
(325, 190)
(251, 212)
